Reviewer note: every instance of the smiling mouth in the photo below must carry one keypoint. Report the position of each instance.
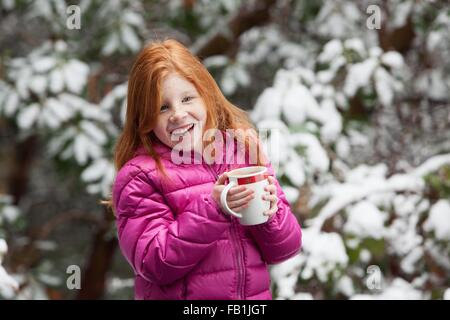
(182, 130)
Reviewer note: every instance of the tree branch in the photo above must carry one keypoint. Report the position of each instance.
(224, 39)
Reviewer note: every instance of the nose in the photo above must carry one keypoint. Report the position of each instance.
(178, 114)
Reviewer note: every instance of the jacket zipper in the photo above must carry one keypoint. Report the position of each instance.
(237, 248)
(241, 268)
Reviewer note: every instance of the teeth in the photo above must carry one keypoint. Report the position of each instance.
(181, 131)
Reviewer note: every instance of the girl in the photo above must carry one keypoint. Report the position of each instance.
(171, 227)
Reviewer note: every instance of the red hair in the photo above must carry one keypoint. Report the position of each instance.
(152, 65)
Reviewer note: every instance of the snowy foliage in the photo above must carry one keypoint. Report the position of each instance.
(362, 214)
(8, 213)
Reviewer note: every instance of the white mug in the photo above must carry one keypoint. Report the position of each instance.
(254, 178)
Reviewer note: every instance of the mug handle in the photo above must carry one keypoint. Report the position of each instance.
(223, 200)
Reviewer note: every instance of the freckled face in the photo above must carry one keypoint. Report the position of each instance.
(182, 116)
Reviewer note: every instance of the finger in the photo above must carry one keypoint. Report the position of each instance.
(222, 178)
(236, 190)
(240, 195)
(240, 208)
(269, 197)
(240, 202)
(271, 211)
(270, 188)
(271, 179)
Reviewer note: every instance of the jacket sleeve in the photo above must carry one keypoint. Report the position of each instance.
(160, 247)
(280, 237)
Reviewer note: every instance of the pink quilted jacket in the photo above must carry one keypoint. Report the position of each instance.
(179, 242)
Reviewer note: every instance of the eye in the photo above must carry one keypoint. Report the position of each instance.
(187, 99)
(164, 108)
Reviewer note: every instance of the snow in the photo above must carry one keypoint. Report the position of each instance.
(75, 75)
(276, 145)
(216, 61)
(130, 38)
(432, 164)
(294, 170)
(392, 59)
(118, 93)
(45, 245)
(308, 103)
(434, 39)
(447, 294)
(336, 19)
(362, 182)
(384, 86)
(365, 220)
(331, 51)
(402, 236)
(56, 80)
(399, 289)
(60, 46)
(115, 284)
(84, 148)
(8, 4)
(332, 126)
(401, 12)
(437, 254)
(293, 110)
(111, 45)
(356, 45)
(93, 131)
(268, 105)
(96, 170)
(28, 116)
(10, 213)
(286, 286)
(38, 84)
(359, 75)
(50, 280)
(44, 64)
(345, 286)
(437, 87)
(61, 112)
(132, 18)
(409, 263)
(323, 252)
(56, 143)
(100, 182)
(3, 249)
(302, 296)
(291, 194)
(7, 283)
(365, 255)
(11, 104)
(343, 147)
(438, 220)
(285, 276)
(315, 155)
(375, 52)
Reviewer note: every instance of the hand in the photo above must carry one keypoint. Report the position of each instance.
(237, 198)
(272, 197)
